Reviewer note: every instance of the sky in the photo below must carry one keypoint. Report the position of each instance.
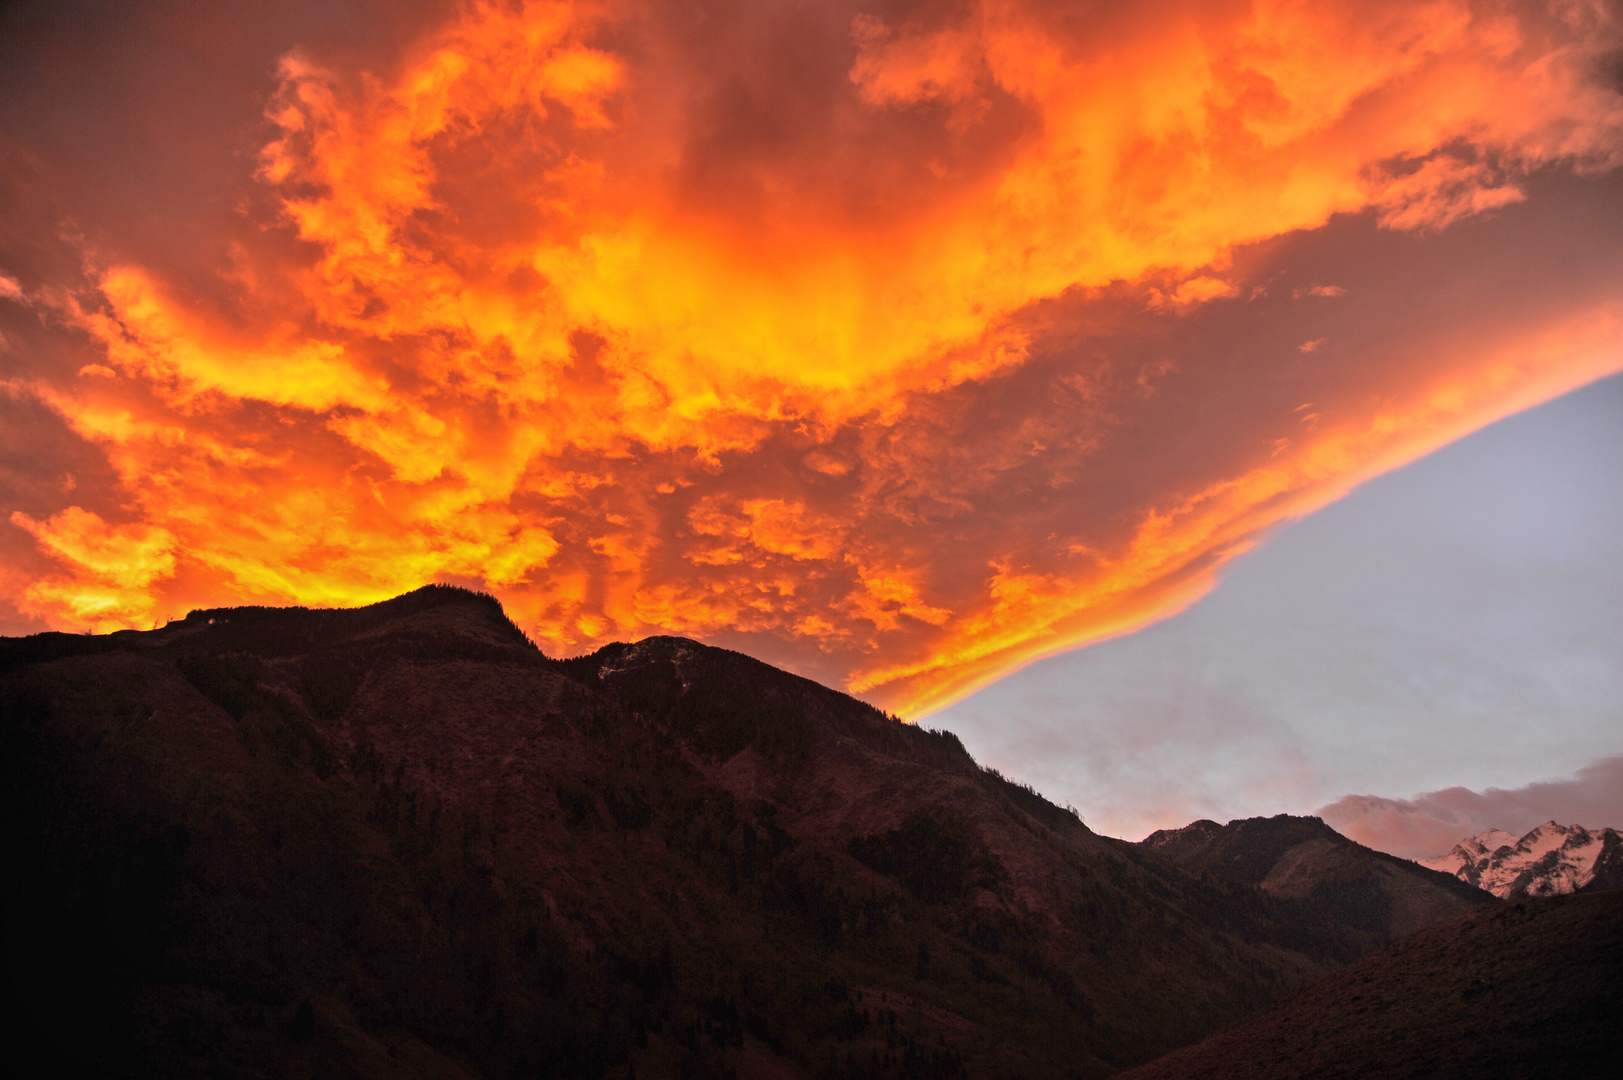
(899, 344)
(1452, 629)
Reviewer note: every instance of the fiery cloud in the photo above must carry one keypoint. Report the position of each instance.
(890, 341)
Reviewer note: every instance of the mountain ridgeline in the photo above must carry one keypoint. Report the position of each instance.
(1370, 892)
(400, 841)
(1549, 860)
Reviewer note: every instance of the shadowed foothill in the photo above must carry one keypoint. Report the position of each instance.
(1522, 989)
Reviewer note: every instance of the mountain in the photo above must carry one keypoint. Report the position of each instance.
(1301, 858)
(398, 841)
(1521, 989)
(1550, 860)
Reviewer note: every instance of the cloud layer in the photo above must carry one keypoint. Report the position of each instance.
(899, 343)
(1432, 823)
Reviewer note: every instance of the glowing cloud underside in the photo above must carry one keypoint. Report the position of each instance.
(884, 340)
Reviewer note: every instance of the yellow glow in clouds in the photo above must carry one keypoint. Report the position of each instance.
(651, 328)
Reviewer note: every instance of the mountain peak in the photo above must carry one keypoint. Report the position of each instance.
(432, 611)
(1302, 859)
(1548, 859)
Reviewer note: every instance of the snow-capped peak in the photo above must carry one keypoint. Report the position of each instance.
(1547, 860)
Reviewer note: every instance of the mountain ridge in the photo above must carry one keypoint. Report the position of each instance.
(399, 840)
(1548, 860)
(1302, 857)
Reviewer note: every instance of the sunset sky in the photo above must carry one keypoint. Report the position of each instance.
(899, 344)
(1452, 629)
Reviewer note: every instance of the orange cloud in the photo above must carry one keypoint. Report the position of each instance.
(888, 341)
(110, 569)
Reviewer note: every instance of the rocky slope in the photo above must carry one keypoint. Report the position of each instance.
(1527, 989)
(398, 841)
(1378, 895)
(1550, 860)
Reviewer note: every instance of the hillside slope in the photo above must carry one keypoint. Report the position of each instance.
(399, 841)
(1380, 896)
(1527, 989)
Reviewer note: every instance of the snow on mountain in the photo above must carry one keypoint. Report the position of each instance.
(1549, 860)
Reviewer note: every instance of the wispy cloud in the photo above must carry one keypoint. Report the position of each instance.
(1431, 823)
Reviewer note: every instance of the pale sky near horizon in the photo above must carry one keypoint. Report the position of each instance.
(1456, 623)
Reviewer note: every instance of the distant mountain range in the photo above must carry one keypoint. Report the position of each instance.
(398, 841)
(1551, 860)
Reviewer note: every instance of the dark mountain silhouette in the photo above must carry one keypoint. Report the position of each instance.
(1526, 988)
(399, 841)
(1301, 858)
